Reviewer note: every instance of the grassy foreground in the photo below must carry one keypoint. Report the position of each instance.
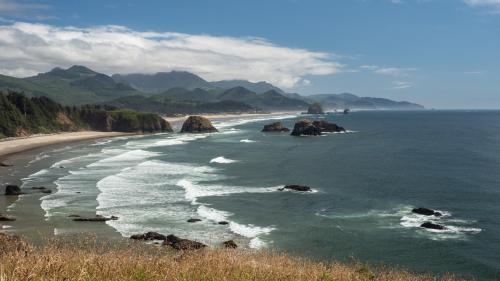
(90, 261)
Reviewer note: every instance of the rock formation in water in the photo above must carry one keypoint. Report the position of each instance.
(306, 128)
(97, 218)
(198, 124)
(149, 236)
(328, 127)
(426, 212)
(11, 189)
(193, 220)
(182, 244)
(431, 225)
(315, 108)
(6, 218)
(296, 187)
(230, 244)
(275, 127)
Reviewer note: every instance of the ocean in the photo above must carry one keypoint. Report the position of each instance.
(365, 183)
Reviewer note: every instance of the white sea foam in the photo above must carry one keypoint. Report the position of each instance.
(247, 141)
(257, 243)
(241, 121)
(222, 160)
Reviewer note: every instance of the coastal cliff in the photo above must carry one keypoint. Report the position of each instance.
(23, 116)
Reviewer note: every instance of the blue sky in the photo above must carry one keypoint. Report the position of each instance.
(440, 53)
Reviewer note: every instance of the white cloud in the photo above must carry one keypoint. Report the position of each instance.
(490, 4)
(8, 6)
(392, 71)
(28, 48)
(400, 85)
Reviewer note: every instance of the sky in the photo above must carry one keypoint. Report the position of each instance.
(439, 53)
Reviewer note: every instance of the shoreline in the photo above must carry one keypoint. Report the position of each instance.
(180, 119)
(11, 146)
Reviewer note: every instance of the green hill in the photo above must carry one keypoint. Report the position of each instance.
(162, 81)
(23, 116)
(73, 86)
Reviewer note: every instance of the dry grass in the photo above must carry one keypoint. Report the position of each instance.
(90, 261)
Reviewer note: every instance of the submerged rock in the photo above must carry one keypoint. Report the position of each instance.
(48, 191)
(306, 128)
(3, 164)
(296, 187)
(6, 218)
(149, 236)
(198, 124)
(13, 190)
(275, 127)
(426, 212)
(193, 220)
(182, 244)
(315, 108)
(223, 223)
(230, 244)
(328, 127)
(97, 218)
(38, 187)
(431, 225)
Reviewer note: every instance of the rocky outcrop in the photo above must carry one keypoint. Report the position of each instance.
(6, 218)
(328, 127)
(149, 236)
(11, 189)
(275, 127)
(430, 225)
(97, 218)
(315, 128)
(182, 244)
(305, 128)
(193, 220)
(296, 187)
(230, 244)
(426, 212)
(198, 124)
(315, 108)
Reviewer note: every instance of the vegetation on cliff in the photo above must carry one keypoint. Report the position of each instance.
(22, 116)
(87, 260)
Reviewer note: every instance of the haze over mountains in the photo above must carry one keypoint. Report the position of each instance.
(178, 92)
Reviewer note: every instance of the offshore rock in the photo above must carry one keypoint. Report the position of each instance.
(198, 124)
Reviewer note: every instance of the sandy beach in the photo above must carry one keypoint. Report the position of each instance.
(16, 145)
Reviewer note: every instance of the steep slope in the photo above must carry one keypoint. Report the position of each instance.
(163, 81)
(22, 116)
(270, 100)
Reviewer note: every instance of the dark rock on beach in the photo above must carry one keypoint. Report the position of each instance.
(223, 223)
(13, 190)
(275, 127)
(193, 220)
(230, 244)
(426, 212)
(3, 164)
(198, 124)
(431, 225)
(306, 128)
(97, 218)
(296, 187)
(48, 191)
(38, 187)
(73, 216)
(6, 218)
(315, 108)
(149, 236)
(328, 127)
(182, 244)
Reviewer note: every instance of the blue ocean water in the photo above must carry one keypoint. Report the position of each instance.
(365, 184)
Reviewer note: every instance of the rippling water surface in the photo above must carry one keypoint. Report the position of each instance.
(366, 182)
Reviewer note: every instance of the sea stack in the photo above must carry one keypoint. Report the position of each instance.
(315, 108)
(328, 127)
(275, 127)
(306, 128)
(12, 190)
(198, 124)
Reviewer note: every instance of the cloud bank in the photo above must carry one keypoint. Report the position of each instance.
(27, 49)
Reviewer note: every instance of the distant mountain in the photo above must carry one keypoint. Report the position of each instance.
(258, 87)
(73, 86)
(270, 100)
(347, 100)
(163, 81)
(168, 106)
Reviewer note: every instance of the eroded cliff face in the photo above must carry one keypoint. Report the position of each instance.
(22, 116)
